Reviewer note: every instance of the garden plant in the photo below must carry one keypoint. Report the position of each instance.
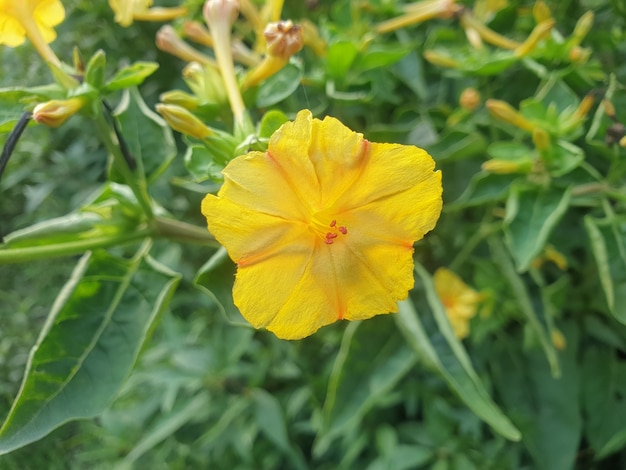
(366, 234)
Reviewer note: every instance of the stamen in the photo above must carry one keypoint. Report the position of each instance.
(331, 235)
(333, 223)
(343, 230)
(328, 241)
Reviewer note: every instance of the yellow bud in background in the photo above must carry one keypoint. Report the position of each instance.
(541, 12)
(584, 107)
(183, 121)
(541, 31)
(505, 112)
(168, 41)
(505, 167)
(583, 25)
(609, 109)
(311, 38)
(558, 340)
(579, 55)
(470, 99)
(541, 139)
(436, 58)
(180, 98)
(55, 112)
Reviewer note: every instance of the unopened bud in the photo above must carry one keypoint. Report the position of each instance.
(419, 12)
(541, 139)
(183, 121)
(609, 109)
(180, 98)
(584, 107)
(579, 55)
(470, 99)
(505, 112)
(583, 25)
(541, 12)
(168, 41)
(558, 340)
(220, 11)
(505, 167)
(436, 58)
(283, 39)
(55, 112)
(540, 32)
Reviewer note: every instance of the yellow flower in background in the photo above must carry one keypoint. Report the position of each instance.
(34, 19)
(459, 300)
(322, 225)
(126, 11)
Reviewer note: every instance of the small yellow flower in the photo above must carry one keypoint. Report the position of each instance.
(459, 300)
(34, 19)
(126, 11)
(322, 225)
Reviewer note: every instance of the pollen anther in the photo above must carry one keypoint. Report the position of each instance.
(342, 229)
(333, 223)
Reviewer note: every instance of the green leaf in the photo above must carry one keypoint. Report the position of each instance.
(484, 188)
(131, 76)
(370, 362)
(438, 356)
(148, 137)
(457, 145)
(89, 344)
(381, 55)
(270, 123)
(216, 279)
(339, 59)
(94, 72)
(546, 409)
(609, 250)
(279, 86)
(531, 214)
(602, 398)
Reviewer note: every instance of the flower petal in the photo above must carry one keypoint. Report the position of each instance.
(48, 13)
(392, 169)
(255, 181)
(11, 31)
(251, 236)
(288, 147)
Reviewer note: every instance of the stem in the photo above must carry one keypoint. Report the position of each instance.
(223, 53)
(137, 186)
(182, 231)
(21, 255)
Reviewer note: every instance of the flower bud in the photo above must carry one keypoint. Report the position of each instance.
(418, 12)
(541, 12)
(436, 58)
(470, 99)
(579, 55)
(220, 11)
(583, 25)
(55, 112)
(505, 112)
(283, 39)
(541, 139)
(180, 98)
(558, 340)
(168, 41)
(505, 167)
(540, 32)
(183, 121)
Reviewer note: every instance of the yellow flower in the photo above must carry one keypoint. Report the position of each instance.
(128, 10)
(32, 18)
(459, 300)
(322, 225)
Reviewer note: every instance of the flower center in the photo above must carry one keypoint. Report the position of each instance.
(328, 231)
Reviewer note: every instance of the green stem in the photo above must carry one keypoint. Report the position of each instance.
(32, 253)
(137, 186)
(182, 231)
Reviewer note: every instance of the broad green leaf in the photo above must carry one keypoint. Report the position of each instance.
(215, 278)
(89, 344)
(270, 123)
(602, 398)
(131, 76)
(484, 188)
(339, 59)
(202, 165)
(531, 214)
(279, 86)
(507, 150)
(148, 137)
(607, 238)
(186, 412)
(438, 356)
(381, 55)
(457, 145)
(524, 301)
(545, 409)
(370, 362)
